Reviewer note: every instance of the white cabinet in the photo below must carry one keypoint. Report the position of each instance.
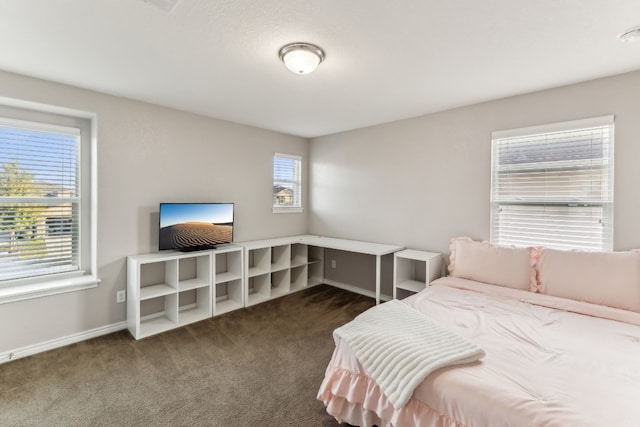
(170, 289)
(413, 271)
(278, 267)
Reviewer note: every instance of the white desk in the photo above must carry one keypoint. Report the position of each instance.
(368, 248)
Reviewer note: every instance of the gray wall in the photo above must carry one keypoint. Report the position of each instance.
(415, 182)
(359, 270)
(148, 154)
(419, 182)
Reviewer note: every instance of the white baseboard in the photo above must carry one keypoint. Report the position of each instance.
(356, 289)
(104, 330)
(60, 342)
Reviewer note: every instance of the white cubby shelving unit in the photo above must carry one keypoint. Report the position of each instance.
(169, 289)
(277, 267)
(166, 290)
(413, 270)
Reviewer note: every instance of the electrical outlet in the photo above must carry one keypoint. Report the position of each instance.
(121, 296)
(333, 263)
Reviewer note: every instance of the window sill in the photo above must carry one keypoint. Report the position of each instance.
(287, 210)
(43, 289)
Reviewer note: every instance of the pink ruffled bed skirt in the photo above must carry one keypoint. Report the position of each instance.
(356, 399)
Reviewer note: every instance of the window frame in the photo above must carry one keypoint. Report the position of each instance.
(297, 183)
(86, 277)
(606, 186)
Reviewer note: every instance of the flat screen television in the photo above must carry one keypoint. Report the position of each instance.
(195, 226)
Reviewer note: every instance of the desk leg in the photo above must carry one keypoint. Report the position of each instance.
(378, 268)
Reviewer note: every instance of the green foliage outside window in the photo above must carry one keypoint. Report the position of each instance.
(21, 221)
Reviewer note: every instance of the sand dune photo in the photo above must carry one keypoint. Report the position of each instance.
(195, 234)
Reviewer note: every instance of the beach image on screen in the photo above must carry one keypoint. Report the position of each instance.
(194, 225)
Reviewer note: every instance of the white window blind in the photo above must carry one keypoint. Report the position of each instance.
(553, 185)
(287, 183)
(39, 199)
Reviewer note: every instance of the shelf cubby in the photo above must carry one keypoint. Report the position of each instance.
(315, 269)
(228, 292)
(258, 289)
(194, 305)
(414, 270)
(194, 272)
(299, 277)
(280, 257)
(280, 283)
(298, 255)
(158, 314)
(158, 279)
(258, 261)
(228, 266)
(411, 274)
(228, 296)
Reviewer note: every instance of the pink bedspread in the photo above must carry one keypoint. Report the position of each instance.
(543, 366)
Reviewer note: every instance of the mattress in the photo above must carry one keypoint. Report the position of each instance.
(548, 362)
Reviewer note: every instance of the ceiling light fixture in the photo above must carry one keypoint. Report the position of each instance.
(301, 58)
(166, 5)
(630, 35)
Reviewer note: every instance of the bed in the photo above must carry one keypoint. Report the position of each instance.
(560, 332)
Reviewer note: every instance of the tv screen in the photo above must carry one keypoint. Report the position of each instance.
(195, 226)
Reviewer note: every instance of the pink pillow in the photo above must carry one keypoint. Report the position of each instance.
(605, 278)
(507, 266)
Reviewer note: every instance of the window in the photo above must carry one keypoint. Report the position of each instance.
(287, 183)
(46, 212)
(553, 185)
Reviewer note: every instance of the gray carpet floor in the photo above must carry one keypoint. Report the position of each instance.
(259, 366)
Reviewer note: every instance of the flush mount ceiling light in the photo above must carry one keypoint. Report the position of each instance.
(630, 35)
(166, 5)
(301, 58)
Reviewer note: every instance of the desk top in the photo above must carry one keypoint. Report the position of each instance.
(418, 255)
(368, 248)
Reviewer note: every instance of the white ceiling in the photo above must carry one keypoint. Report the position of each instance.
(386, 60)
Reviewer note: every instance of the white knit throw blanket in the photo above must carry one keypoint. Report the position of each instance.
(399, 347)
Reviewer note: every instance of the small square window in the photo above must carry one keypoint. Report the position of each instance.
(287, 183)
